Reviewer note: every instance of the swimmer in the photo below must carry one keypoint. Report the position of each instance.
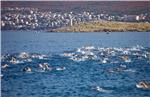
(118, 69)
(24, 55)
(99, 89)
(126, 58)
(143, 85)
(14, 60)
(4, 66)
(104, 61)
(45, 66)
(27, 69)
(60, 68)
(121, 68)
(111, 70)
(40, 65)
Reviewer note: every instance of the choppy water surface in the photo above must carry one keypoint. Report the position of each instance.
(80, 64)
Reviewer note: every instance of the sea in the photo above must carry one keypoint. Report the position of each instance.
(81, 64)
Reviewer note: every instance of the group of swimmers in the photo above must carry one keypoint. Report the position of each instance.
(44, 67)
(83, 54)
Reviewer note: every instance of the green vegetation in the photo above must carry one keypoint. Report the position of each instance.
(106, 26)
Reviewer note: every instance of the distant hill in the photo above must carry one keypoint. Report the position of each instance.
(127, 7)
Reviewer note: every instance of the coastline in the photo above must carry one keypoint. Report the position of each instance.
(98, 26)
(106, 26)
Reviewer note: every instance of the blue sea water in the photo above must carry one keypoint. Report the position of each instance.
(85, 68)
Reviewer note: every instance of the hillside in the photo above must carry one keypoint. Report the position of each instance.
(115, 7)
